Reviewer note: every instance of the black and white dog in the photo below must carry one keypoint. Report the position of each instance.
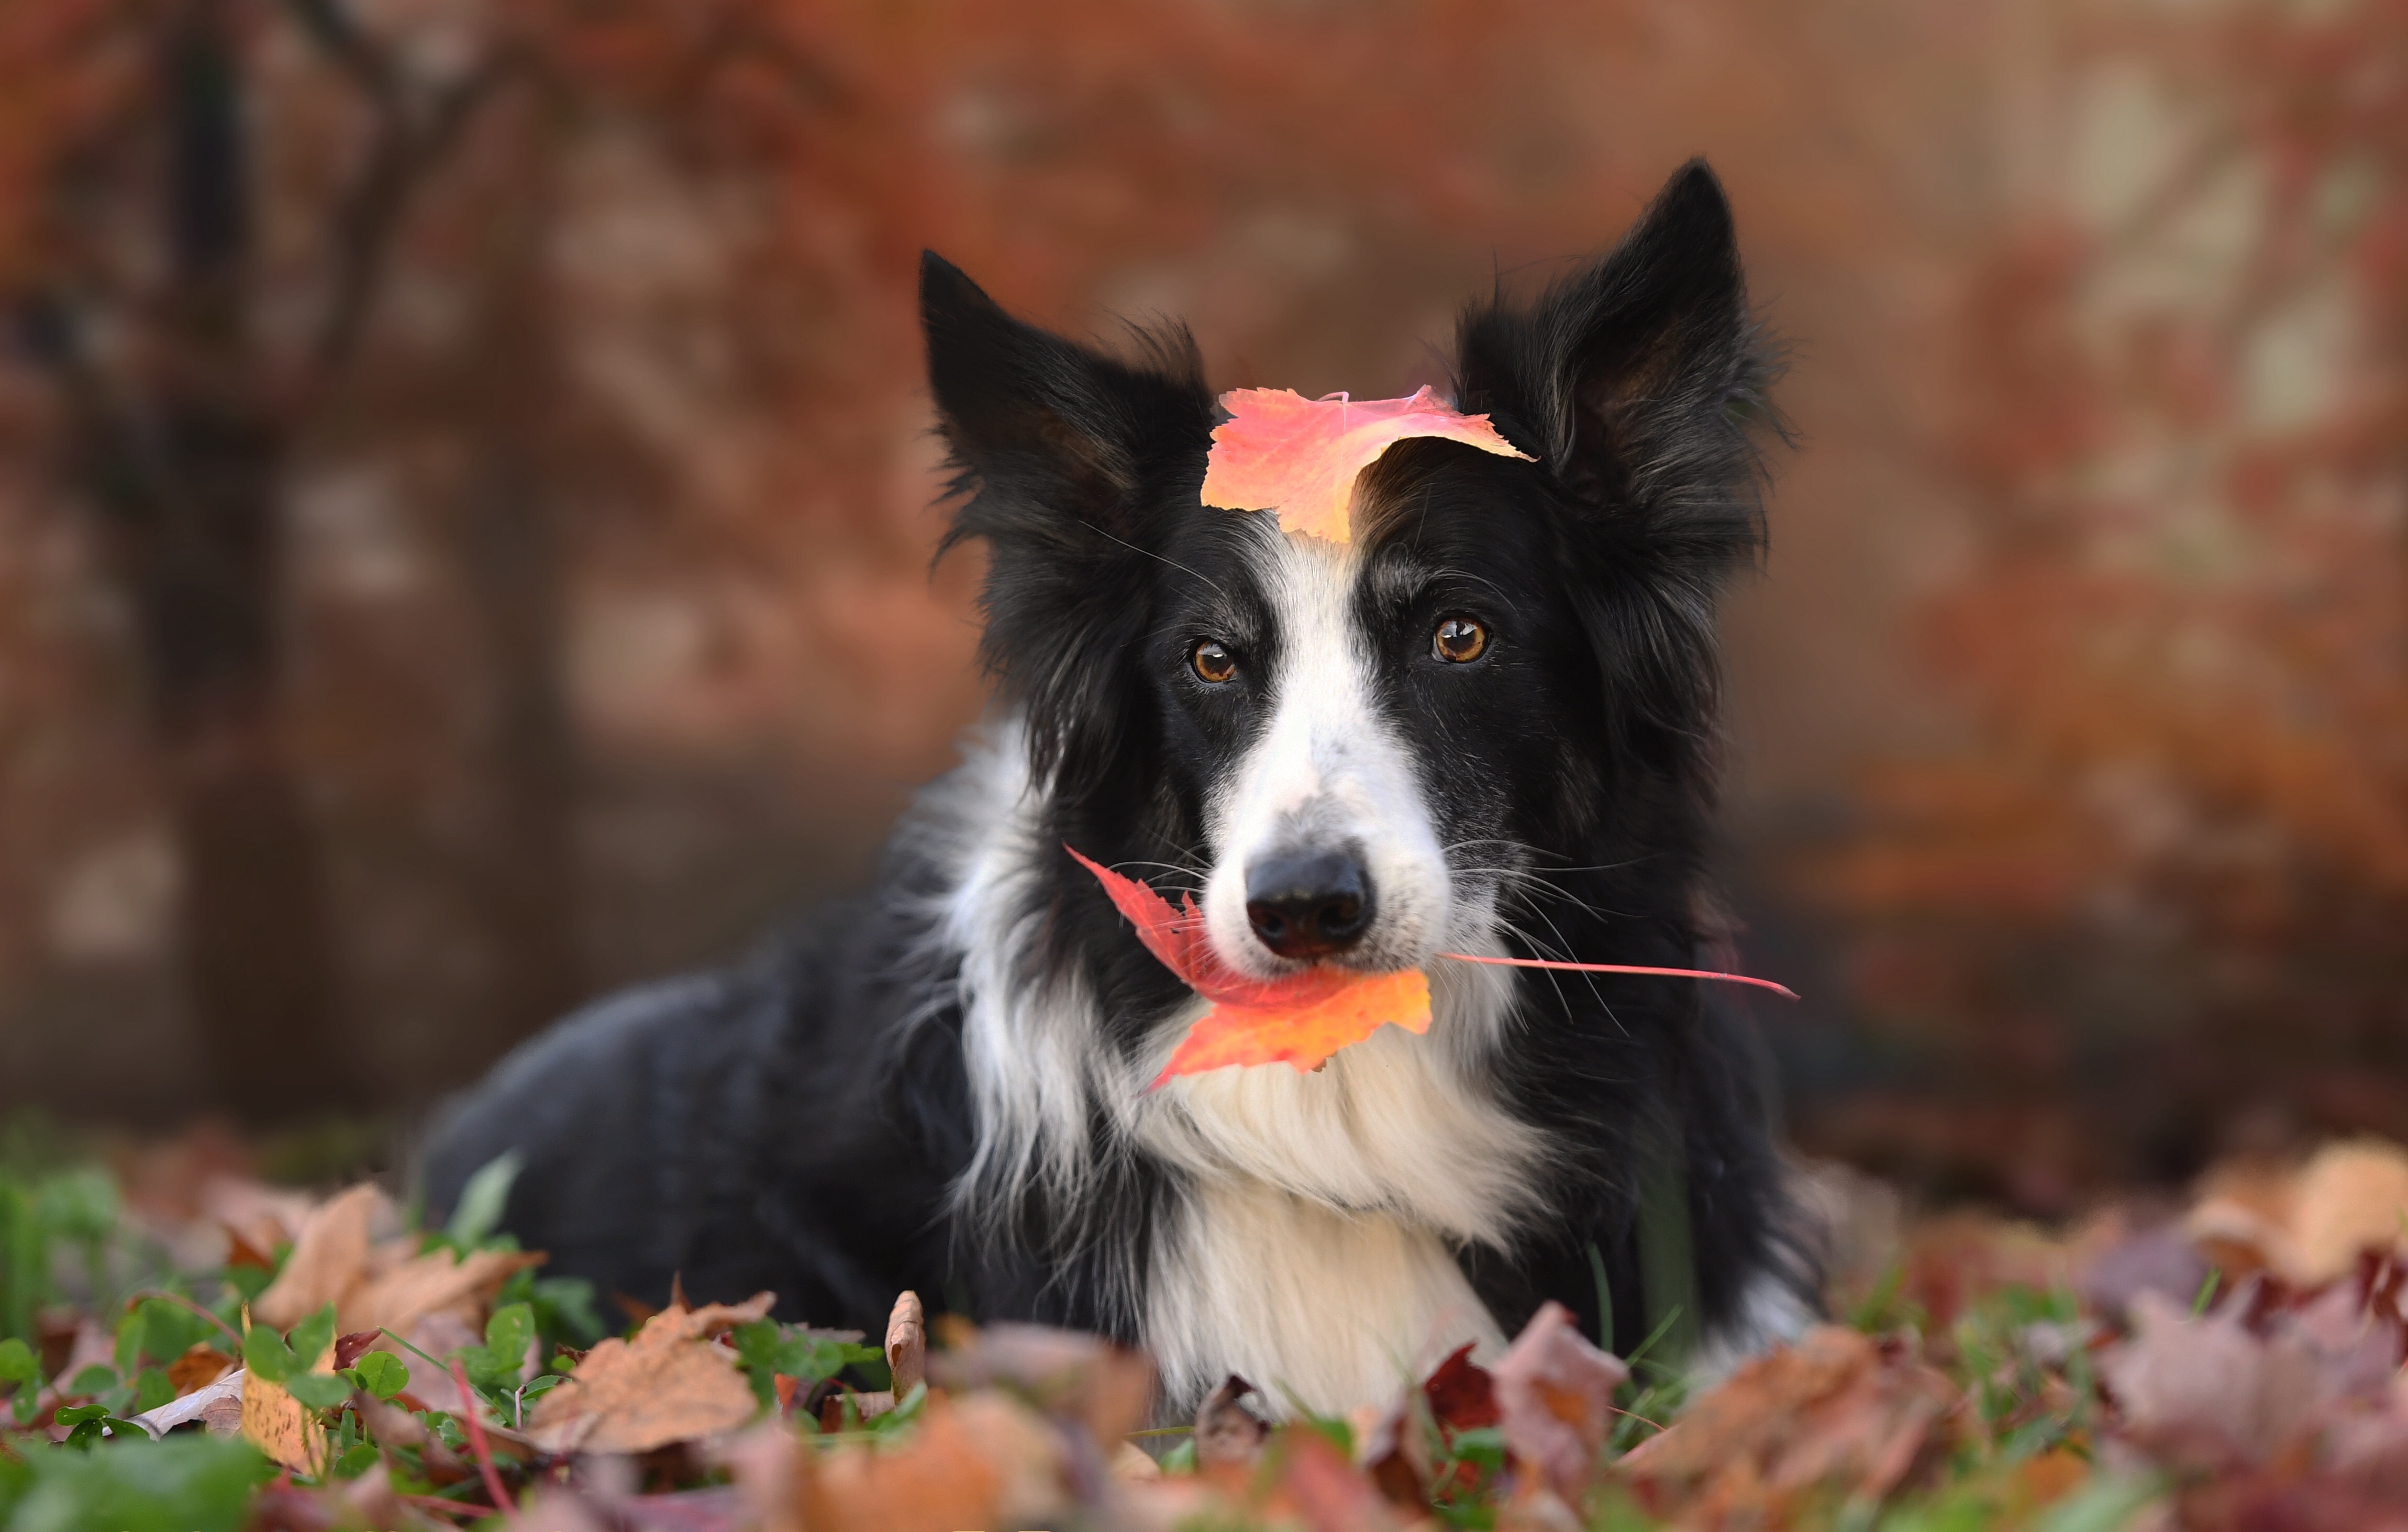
(1484, 725)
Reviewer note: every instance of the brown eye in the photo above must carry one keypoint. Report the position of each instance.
(1459, 641)
(1212, 663)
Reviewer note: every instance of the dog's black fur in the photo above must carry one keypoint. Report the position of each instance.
(800, 1123)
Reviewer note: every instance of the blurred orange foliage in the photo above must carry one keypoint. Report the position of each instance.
(2176, 831)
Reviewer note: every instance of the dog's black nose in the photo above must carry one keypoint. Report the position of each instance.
(1309, 903)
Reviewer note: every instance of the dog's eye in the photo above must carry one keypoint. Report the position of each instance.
(1459, 641)
(1212, 663)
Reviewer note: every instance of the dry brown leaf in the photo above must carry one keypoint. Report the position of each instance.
(2351, 1197)
(257, 1216)
(906, 1344)
(1318, 1487)
(980, 1461)
(2206, 1390)
(198, 1367)
(433, 1282)
(1834, 1411)
(1954, 1259)
(280, 1425)
(668, 1384)
(2308, 1228)
(1229, 1435)
(329, 1260)
(553, 1509)
(1107, 1391)
(216, 1404)
(1554, 1398)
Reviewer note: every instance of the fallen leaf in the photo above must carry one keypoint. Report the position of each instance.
(349, 1348)
(1105, 1390)
(1462, 1394)
(560, 1509)
(216, 1404)
(983, 1460)
(1282, 451)
(280, 1425)
(1229, 1434)
(2206, 1390)
(1953, 1259)
(668, 1384)
(199, 1366)
(906, 1344)
(432, 1283)
(2352, 1197)
(253, 1215)
(1298, 1020)
(2311, 1226)
(1314, 1484)
(1554, 1398)
(329, 1260)
(1835, 1412)
(2157, 1260)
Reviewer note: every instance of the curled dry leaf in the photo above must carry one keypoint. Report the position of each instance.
(1230, 1432)
(668, 1384)
(906, 1344)
(2308, 1228)
(1282, 451)
(216, 1404)
(1834, 1413)
(1552, 1396)
(1298, 1020)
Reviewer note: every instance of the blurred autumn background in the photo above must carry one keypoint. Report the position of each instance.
(465, 501)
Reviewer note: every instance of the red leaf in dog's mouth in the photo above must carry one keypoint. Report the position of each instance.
(1302, 1019)
(1299, 1020)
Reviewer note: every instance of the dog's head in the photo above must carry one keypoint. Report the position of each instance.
(1356, 749)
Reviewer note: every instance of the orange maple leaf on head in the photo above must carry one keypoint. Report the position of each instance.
(1279, 450)
(1298, 1020)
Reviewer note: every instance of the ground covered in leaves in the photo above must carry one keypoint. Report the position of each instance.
(184, 1347)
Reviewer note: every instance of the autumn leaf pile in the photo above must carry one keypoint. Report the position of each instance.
(233, 1357)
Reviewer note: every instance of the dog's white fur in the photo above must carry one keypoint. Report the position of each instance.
(1328, 772)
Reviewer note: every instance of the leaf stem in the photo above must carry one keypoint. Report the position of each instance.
(484, 1449)
(1782, 990)
(140, 1293)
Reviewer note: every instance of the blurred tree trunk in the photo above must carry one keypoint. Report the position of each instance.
(523, 872)
(190, 470)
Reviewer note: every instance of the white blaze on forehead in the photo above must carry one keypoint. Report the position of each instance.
(1328, 771)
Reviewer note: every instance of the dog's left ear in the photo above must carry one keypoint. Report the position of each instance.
(1638, 380)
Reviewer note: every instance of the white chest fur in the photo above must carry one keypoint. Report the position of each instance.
(1314, 1251)
(1323, 1307)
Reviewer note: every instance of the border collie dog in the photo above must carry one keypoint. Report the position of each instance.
(1484, 725)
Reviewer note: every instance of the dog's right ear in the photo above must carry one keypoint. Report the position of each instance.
(1066, 460)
